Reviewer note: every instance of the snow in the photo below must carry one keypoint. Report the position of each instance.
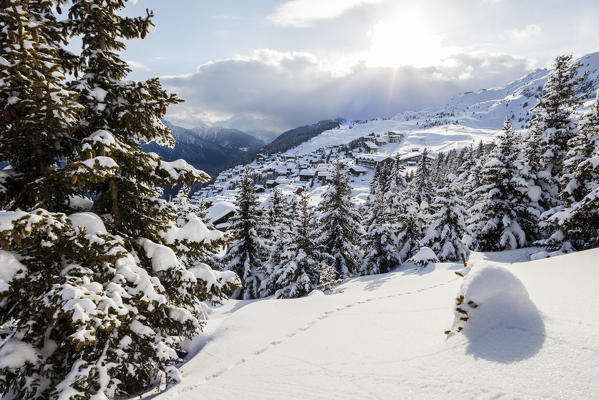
(9, 267)
(219, 209)
(91, 222)
(382, 336)
(15, 353)
(102, 162)
(534, 193)
(212, 277)
(163, 257)
(194, 231)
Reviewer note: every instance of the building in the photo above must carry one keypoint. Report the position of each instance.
(411, 159)
(306, 175)
(220, 213)
(357, 170)
(394, 137)
(372, 160)
(371, 147)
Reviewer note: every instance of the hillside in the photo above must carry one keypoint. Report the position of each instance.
(382, 337)
(466, 120)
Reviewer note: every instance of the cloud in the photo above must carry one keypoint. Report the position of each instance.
(522, 34)
(301, 13)
(280, 90)
(137, 65)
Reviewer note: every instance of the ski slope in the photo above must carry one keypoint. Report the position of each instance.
(382, 337)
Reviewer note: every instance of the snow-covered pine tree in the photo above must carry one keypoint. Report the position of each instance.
(379, 242)
(421, 186)
(97, 314)
(338, 226)
(119, 116)
(192, 239)
(502, 217)
(576, 226)
(276, 214)
(448, 227)
(409, 221)
(39, 117)
(248, 253)
(298, 269)
(552, 127)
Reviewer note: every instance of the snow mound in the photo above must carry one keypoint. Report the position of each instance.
(91, 222)
(424, 257)
(193, 231)
(496, 314)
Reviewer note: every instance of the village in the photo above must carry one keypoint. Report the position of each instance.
(294, 173)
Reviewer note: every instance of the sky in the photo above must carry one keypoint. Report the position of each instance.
(266, 65)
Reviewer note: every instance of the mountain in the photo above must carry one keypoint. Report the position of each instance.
(231, 139)
(294, 137)
(211, 149)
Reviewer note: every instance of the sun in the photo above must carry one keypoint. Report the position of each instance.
(406, 37)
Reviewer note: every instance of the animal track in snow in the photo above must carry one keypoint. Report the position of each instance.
(299, 330)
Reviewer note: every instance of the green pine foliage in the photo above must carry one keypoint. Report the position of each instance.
(552, 127)
(448, 227)
(576, 225)
(379, 242)
(298, 270)
(338, 226)
(502, 218)
(421, 186)
(96, 306)
(248, 252)
(39, 116)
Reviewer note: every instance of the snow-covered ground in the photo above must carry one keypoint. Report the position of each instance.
(382, 337)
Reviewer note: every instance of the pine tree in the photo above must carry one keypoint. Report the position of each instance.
(422, 185)
(298, 269)
(248, 252)
(552, 127)
(100, 306)
(277, 213)
(502, 218)
(39, 115)
(444, 235)
(193, 240)
(409, 221)
(379, 243)
(576, 226)
(338, 228)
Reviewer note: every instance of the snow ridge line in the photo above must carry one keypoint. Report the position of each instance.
(304, 328)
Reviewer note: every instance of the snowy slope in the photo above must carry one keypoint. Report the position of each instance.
(468, 117)
(381, 337)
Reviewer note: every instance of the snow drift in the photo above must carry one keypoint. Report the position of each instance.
(497, 315)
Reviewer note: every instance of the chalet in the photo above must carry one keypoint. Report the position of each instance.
(323, 176)
(411, 159)
(306, 175)
(282, 171)
(394, 137)
(220, 213)
(371, 160)
(271, 183)
(380, 141)
(357, 170)
(371, 147)
(282, 181)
